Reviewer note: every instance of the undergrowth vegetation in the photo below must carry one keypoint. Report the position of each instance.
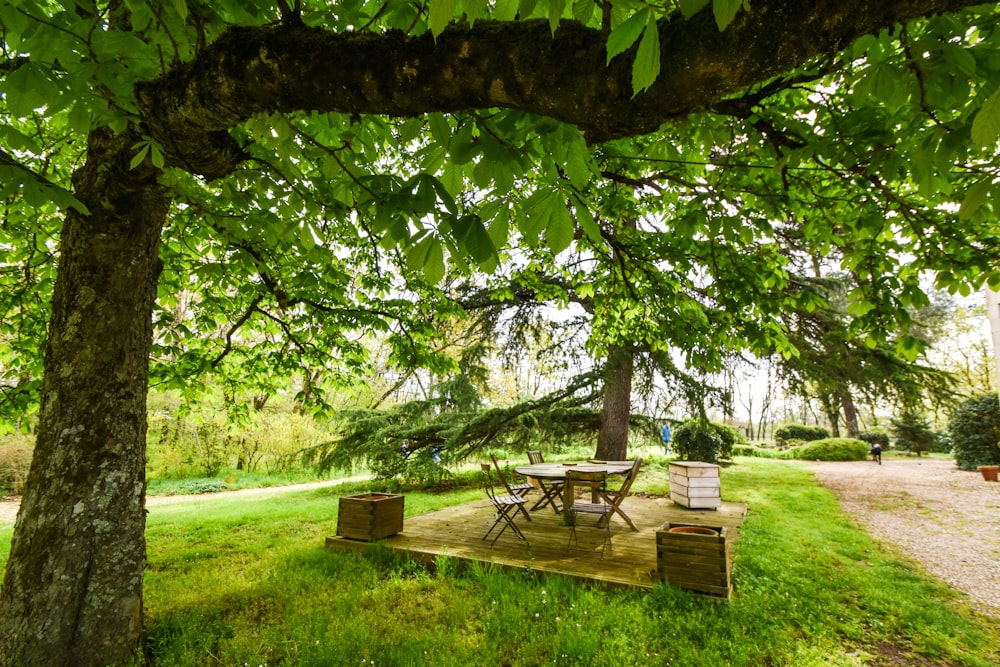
(248, 581)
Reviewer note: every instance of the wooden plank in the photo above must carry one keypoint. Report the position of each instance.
(694, 468)
(695, 491)
(684, 480)
(698, 503)
(631, 560)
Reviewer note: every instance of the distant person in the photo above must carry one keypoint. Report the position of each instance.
(876, 452)
(665, 436)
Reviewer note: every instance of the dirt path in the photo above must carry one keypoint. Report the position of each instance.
(8, 506)
(934, 513)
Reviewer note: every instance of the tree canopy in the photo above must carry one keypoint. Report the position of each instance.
(254, 187)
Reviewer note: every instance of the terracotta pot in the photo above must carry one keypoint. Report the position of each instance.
(989, 473)
(697, 530)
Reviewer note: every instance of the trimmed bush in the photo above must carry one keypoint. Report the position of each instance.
(800, 432)
(831, 449)
(697, 440)
(974, 432)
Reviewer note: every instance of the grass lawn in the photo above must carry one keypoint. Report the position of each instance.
(248, 582)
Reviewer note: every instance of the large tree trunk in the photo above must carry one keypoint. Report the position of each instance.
(612, 439)
(832, 411)
(850, 415)
(72, 592)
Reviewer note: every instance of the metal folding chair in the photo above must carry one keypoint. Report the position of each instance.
(521, 490)
(551, 490)
(599, 508)
(504, 506)
(614, 497)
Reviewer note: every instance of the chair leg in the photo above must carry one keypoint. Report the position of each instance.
(550, 495)
(503, 515)
(605, 545)
(571, 517)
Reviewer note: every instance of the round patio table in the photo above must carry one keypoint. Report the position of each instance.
(556, 471)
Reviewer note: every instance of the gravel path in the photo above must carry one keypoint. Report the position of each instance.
(934, 513)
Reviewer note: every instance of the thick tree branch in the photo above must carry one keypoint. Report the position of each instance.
(517, 65)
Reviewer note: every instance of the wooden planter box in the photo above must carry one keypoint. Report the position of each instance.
(695, 485)
(700, 563)
(370, 516)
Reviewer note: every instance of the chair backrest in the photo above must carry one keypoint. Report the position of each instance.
(488, 481)
(501, 476)
(632, 474)
(535, 456)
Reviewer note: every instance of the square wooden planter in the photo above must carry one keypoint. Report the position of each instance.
(697, 562)
(370, 516)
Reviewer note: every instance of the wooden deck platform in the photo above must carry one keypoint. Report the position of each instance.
(630, 560)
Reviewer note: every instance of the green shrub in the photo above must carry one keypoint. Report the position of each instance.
(758, 452)
(800, 432)
(913, 433)
(875, 437)
(697, 440)
(831, 449)
(974, 432)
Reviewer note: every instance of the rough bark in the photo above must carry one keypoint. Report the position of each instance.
(519, 65)
(612, 439)
(850, 415)
(72, 592)
(832, 411)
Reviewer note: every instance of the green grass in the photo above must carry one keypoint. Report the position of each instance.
(248, 581)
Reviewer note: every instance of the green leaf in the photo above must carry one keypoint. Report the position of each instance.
(580, 166)
(725, 11)
(587, 223)
(180, 6)
(471, 234)
(140, 156)
(473, 10)
(559, 232)
(691, 7)
(556, 8)
(505, 10)
(434, 266)
(583, 10)
(624, 36)
(440, 128)
(646, 67)
(453, 179)
(974, 198)
(986, 124)
(28, 88)
(441, 13)
(156, 155)
(499, 230)
(538, 211)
